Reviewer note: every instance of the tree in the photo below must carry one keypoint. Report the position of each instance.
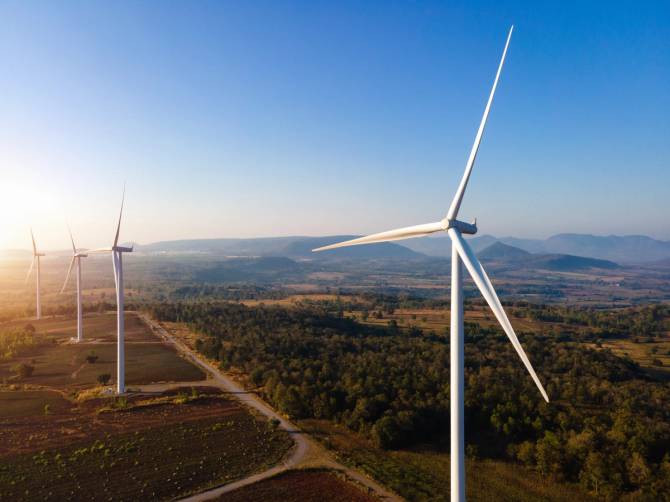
(23, 370)
(526, 453)
(103, 378)
(549, 455)
(386, 433)
(638, 470)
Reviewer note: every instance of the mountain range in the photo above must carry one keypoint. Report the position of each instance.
(629, 249)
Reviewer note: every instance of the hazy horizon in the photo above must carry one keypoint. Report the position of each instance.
(66, 249)
(304, 119)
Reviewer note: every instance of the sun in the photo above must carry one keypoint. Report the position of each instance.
(23, 205)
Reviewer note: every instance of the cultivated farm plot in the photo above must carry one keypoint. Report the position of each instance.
(97, 327)
(63, 365)
(157, 449)
(300, 486)
(21, 403)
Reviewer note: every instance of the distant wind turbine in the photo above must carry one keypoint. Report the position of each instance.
(117, 261)
(461, 253)
(76, 257)
(36, 259)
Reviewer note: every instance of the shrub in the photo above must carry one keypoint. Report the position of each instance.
(23, 370)
(91, 358)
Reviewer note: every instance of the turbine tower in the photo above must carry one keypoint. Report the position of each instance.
(76, 257)
(36, 259)
(461, 254)
(117, 262)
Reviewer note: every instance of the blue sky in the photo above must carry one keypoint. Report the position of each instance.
(238, 119)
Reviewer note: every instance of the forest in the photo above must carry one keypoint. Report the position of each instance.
(607, 426)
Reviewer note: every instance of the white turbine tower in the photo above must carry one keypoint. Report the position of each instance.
(76, 257)
(36, 259)
(117, 261)
(461, 253)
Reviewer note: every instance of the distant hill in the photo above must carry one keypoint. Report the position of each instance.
(631, 248)
(500, 251)
(246, 269)
(621, 249)
(568, 263)
(292, 247)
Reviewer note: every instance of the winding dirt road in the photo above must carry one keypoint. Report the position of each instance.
(305, 452)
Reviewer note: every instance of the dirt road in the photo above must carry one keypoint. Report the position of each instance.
(306, 451)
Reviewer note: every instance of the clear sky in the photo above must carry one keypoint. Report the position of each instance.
(238, 119)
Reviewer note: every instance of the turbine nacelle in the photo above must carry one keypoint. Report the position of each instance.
(461, 226)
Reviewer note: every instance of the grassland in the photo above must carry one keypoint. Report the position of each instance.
(140, 450)
(423, 474)
(300, 486)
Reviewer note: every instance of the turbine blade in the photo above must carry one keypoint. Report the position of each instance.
(69, 270)
(74, 249)
(33, 239)
(391, 235)
(30, 270)
(116, 275)
(98, 251)
(484, 284)
(118, 226)
(456, 203)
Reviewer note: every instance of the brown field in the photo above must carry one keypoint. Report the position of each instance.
(61, 364)
(292, 299)
(301, 486)
(155, 448)
(645, 353)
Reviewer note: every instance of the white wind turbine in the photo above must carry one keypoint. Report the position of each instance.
(36, 259)
(461, 253)
(76, 257)
(117, 261)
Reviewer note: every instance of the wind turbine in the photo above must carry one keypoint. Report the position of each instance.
(76, 257)
(117, 262)
(461, 253)
(36, 259)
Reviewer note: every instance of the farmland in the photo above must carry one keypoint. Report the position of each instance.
(300, 486)
(157, 448)
(60, 364)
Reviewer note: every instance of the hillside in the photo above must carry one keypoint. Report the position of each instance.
(501, 251)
